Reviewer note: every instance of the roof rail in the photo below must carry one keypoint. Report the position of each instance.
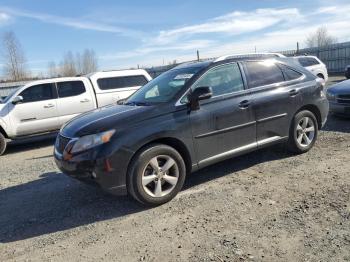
(249, 55)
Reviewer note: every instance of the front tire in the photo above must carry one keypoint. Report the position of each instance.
(3, 144)
(156, 174)
(303, 132)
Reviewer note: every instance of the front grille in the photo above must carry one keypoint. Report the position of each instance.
(61, 143)
(344, 96)
(343, 101)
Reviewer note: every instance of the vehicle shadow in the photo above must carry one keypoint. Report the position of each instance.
(55, 202)
(337, 124)
(21, 145)
(236, 164)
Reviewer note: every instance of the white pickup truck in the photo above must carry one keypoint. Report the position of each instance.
(44, 106)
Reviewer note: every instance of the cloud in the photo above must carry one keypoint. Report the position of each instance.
(186, 46)
(265, 29)
(71, 22)
(4, 18)
(234, 23)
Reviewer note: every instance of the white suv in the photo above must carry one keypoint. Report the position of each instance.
(314, 65)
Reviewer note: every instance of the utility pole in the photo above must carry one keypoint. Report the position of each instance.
(297, 47)
(255, 49)
(198, 55)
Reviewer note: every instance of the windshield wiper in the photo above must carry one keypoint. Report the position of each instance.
(137, 104)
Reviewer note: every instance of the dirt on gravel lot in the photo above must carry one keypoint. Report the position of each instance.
(265, 206)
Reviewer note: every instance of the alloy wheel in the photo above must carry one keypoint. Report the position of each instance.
(305, 131)
(160, 176)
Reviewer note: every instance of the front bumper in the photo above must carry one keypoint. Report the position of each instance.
(339, 109)
(109, 173)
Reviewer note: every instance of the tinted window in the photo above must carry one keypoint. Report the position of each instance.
(223, 79)
(263, 73)
(71, 88)
(38, 93)
(289, 74)
(307, 61)
(163, 88)
(121, 82)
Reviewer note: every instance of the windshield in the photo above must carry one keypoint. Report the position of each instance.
(163, 88)
(5, 99)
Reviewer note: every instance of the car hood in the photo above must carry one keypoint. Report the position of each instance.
(340, 88)
(106, 118)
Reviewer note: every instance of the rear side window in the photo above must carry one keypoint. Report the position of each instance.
(38, 93)
(308, 61)
(121, 82)
(289, 73)
(70, 88)
(263, 73)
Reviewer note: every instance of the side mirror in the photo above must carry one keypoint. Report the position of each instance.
(121, 101)
(200, 93)
(17, 100)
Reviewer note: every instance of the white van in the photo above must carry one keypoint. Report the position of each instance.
(44, 106)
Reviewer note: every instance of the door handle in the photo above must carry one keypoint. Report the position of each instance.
(244, 104)
(293, 92)
(49, 106)
(84, 100)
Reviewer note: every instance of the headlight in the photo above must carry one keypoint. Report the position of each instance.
(330, 96)
(90, 141)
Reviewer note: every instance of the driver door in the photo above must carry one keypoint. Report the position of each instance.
(225, 124)
(37, 113)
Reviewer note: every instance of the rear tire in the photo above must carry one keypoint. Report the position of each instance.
(156, 174)
(303, 132)
(3, 144)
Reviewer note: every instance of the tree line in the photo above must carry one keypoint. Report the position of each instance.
(15, 68)
(14, 62)
(72, 65)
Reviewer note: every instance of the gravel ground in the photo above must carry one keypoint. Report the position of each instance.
(265, 206)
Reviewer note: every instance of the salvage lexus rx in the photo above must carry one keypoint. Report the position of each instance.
(192, 116)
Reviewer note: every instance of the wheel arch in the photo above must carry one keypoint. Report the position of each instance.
(3, 132)
(321, 75)
(175, 143)
(313, 109)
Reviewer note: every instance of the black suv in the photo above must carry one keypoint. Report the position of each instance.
(192, 116)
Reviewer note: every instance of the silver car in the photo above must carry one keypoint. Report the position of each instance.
(339, 98)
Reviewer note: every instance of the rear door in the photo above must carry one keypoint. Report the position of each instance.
(275, 94)
(225, 124)
(74, 98)
(38, 111)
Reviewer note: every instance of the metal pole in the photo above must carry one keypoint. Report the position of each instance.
(198, 55)
(297, 47)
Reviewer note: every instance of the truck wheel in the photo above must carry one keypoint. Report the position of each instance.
(156, 175)
(303, 132)
(2, 144)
